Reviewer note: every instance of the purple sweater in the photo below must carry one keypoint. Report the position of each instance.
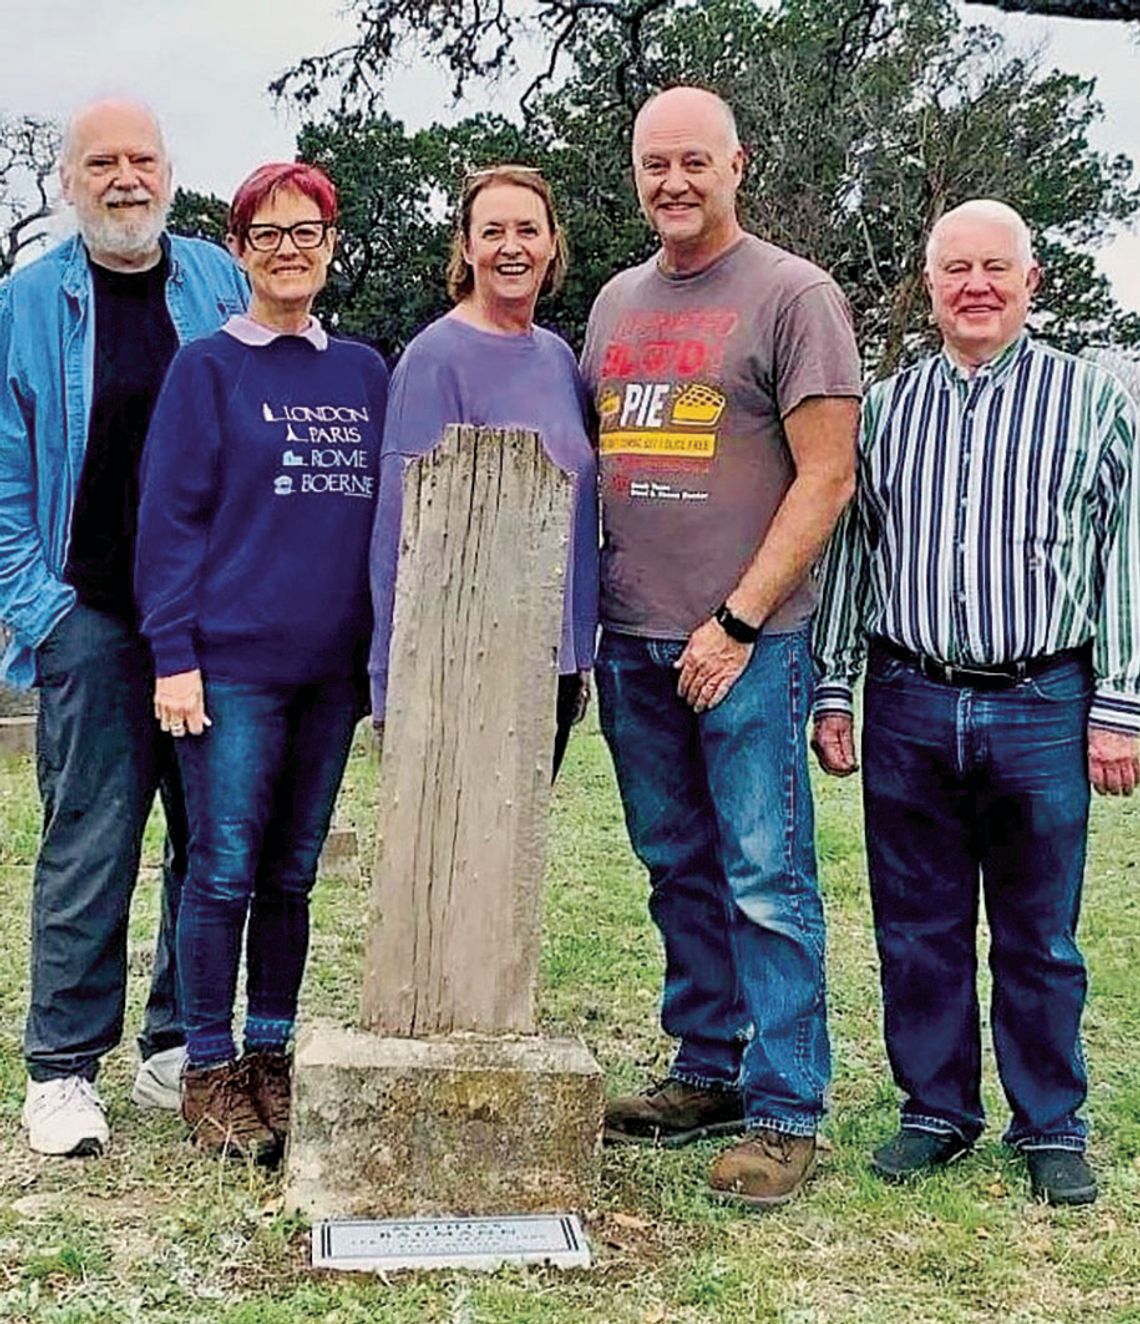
(455, 373)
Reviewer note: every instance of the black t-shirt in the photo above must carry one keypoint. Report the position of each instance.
(134, 343)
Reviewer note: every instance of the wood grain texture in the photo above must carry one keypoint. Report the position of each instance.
(465, 780)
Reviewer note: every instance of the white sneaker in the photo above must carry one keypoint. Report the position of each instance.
(158, 1082)
(65, 1116)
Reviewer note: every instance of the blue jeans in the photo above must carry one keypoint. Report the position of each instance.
(100, 758)
(959, 784)
(719, 810)
(261, 784)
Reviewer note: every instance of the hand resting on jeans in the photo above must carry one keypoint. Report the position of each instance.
(179, 703)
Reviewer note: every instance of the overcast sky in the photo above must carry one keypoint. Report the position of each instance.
(204, 65)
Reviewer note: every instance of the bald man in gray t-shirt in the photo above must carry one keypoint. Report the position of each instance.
(726, 381)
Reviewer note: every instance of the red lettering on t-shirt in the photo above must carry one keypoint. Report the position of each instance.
(692, 356)
(662, 359)
(618, 361)
(656, 358)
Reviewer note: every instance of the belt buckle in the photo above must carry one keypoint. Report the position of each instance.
(933, 668)
(994, 677)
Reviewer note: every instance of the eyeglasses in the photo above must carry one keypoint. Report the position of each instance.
(304, 234)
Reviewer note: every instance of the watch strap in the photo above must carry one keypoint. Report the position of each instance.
(734, 627)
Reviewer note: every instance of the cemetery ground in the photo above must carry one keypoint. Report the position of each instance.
(153, 1232)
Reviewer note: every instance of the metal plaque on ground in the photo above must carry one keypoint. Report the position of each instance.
(450, 1243)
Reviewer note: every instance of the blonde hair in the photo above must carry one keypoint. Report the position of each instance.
(460, 277)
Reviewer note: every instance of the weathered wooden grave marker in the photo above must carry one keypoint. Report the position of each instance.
(444, 1100)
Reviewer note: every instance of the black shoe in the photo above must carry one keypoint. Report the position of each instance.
(1060, 1176)
(673, 1113)
(910, 1152)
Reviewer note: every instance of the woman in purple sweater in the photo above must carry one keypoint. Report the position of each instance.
(258, 487)
(487, 364)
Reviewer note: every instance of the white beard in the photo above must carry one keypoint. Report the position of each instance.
(126, 234)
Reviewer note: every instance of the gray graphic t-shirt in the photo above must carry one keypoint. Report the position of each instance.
(691, 377)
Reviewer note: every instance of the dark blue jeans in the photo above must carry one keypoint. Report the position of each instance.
(261, 785)
(100, 757)
(961, 785)
(719, 811)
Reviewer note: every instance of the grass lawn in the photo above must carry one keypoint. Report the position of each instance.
(152, 1232)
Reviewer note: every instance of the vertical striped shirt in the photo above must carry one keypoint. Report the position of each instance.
(996, 519)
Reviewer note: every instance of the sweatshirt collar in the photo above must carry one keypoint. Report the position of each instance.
(242, 327)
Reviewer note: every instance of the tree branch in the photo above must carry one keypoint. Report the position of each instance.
(1122, 11)
(28, 150)
(476, 39)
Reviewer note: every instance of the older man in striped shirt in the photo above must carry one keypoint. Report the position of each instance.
(989, 568)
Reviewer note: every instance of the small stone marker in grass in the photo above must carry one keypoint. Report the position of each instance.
(444, 1100)
(386, 1245)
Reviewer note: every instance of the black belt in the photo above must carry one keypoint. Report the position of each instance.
(998, 677)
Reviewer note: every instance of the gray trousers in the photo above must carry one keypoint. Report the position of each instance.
(100, 758)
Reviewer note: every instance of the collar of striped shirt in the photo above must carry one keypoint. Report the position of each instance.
(993, 370)
(993, 522)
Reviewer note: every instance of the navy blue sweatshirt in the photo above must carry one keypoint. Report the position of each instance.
(258, 486)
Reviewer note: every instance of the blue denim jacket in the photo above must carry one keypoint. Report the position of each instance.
(47, 358)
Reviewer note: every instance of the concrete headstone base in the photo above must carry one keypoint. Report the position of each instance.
(387, 1127)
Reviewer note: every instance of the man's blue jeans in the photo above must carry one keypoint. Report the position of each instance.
(261, 785)
(719, 810)
(960, 783)
(100, 758)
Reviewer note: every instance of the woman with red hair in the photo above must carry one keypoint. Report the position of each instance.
(258, 485)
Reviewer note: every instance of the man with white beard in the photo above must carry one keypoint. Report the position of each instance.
(86, 334)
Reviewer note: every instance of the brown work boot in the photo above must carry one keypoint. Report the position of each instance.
(673, 1113)
(767, 1168)
(270, 1082)
(218, 1107)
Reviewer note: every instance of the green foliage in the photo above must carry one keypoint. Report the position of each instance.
(398, 192)
(477, 40)
(386, 280)
(863, 121)
(198, 215)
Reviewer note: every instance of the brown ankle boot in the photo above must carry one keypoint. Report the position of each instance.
(765, 1169)
(673, 1113)
(219, 1108)
(270, 1083)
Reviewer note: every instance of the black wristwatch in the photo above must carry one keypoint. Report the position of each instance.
(734, 627)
